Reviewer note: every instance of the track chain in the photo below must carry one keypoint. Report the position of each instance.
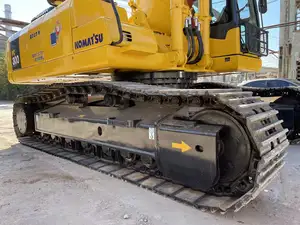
(268, 138)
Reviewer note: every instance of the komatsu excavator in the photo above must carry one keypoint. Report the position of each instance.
(120, 95)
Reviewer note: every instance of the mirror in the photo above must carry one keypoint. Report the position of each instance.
(263, 6)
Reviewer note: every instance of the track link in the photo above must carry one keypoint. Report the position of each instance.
(268, 138)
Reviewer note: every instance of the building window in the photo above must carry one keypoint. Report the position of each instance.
(298, 19)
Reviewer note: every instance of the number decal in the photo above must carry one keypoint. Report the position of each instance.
(15, 54)
(15, 60)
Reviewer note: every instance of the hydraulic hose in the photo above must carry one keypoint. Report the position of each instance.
(186, 31)
(119, 24)
(192, 41)
(200, 49)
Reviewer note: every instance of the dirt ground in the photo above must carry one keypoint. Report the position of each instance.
(36, 188)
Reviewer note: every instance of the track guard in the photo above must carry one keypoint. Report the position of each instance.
(188, 154)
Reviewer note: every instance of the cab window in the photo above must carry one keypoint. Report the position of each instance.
(258, 83)
(219, 12)
(247, 11)
(279, 83)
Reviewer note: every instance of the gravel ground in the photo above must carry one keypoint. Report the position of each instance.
(36, 188)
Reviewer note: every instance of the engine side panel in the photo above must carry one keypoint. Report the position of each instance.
(64, 42)
(47, 38)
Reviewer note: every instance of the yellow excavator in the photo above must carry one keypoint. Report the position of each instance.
(120, 95)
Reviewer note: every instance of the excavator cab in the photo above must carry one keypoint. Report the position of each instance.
(236, 24)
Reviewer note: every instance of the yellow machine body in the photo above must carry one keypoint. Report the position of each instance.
(75, 38)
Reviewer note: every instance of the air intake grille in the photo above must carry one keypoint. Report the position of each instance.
(127, 36)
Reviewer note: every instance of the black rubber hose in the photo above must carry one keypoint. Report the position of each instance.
(119, 24)
(200, 50)
(189, 42)
(191, 36)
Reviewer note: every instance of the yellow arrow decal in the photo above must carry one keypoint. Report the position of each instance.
(182, 146)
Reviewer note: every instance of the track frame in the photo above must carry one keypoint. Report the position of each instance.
(268, 138)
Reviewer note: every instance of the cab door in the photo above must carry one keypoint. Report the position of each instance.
(235, 36)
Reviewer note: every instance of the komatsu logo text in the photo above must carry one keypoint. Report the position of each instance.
(93, 40)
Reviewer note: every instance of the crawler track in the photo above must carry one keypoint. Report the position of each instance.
(268, 138)
(156, 184)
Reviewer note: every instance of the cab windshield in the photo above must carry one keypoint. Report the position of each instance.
(221, 12)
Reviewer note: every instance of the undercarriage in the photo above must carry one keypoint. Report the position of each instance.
(211, 148)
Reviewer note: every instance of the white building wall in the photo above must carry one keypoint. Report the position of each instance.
(295, 56)
(289, 43)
